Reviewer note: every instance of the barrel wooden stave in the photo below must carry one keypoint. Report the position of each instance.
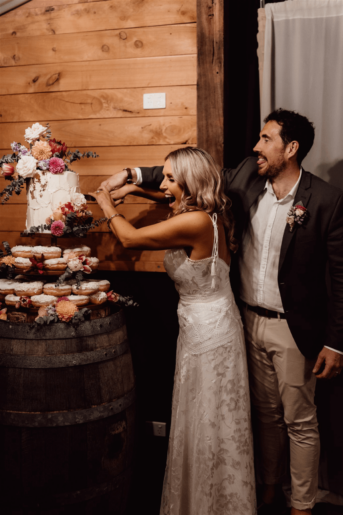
(69, 469)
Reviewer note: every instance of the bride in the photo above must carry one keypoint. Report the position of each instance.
(210, 457)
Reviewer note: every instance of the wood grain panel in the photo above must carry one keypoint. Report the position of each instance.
(13, 216)
(116, 131)
(98, 46)
(113, 159)
(94, 16)
(117, 73)
(211, 77)
(103, 103)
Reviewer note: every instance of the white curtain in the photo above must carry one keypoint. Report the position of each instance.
(303, 71)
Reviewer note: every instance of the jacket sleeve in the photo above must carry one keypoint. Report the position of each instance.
(334, 336)
(152, 177)
(247, 167)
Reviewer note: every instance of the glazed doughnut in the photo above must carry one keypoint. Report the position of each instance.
(28, 289)
(62, 290)
(98, 298)
(79, 300)
(11, 300)
(7, 286)
(55, 264)
(23, 263)
(43, 300)
(86, 288)
(23, 251)
(77, 251)
(93, 262)
(40, 253)
(104, 285)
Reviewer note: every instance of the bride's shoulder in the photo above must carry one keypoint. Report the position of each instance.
(197, 219)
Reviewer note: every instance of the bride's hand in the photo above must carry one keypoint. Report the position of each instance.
(103, 198)
(121, 193)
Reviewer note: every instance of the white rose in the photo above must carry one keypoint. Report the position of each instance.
(299, 212)
(26, 166)
(33, 133)
(78, 200)
(75, 264)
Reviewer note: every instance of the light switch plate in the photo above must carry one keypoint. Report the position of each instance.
(154, 101)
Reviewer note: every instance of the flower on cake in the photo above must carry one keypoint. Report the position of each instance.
(41, 150)
(56, 165)
(57, 228)
(26, 166)
(57, 147)
(112, 297)
(7, 170)
(79, 201)
(65, 310)
(44, 165)
(35, 132)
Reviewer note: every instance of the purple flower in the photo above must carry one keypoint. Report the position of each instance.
(44, 164)
(15, 146)
(23, 151)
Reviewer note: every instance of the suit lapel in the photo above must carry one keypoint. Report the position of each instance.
(303, 194)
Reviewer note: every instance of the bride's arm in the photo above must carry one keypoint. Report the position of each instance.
(133, 189)
(180, 231)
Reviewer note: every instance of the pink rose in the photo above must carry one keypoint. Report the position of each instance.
(7, 170)
(57, 228)
(56, 165)
(112, 297)
(48, 221)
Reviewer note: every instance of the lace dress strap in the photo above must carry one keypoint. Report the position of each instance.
(214, 250)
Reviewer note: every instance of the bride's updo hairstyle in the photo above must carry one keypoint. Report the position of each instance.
(200, 179)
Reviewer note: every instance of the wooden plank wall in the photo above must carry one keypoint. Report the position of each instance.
(84, 66)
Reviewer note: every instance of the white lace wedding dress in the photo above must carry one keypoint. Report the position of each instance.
(210, 466)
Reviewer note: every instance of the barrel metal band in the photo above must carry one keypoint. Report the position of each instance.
(61, 330)
(67, 418)
(64, 360)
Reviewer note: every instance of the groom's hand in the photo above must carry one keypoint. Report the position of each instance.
(117, 180)
(333, 362)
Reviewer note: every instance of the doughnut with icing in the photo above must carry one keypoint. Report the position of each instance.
(40, 253)
(23, 263)
(98, 298)
(79, 300)
(11, 300)
(23, 251)
(7, 286)
(55, 264)
(28, 289)
(93, 262)
(86, 288)
(61, 290)
(77, 251)
(43, 300)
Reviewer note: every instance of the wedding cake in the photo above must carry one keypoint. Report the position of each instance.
(46, 192)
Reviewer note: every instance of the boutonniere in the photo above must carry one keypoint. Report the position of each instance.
(297, 215)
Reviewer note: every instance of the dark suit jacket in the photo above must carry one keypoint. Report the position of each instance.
(314, 316)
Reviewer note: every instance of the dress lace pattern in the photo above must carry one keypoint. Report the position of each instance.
(210, 468)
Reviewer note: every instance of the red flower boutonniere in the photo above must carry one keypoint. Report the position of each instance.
(297, 215)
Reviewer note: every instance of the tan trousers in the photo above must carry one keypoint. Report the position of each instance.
(282, 391)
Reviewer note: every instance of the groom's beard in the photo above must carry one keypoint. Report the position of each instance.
(272, 170)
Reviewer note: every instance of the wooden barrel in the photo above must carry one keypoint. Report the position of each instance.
(66, 418)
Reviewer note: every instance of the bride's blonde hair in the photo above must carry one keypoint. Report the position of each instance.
(200, 179)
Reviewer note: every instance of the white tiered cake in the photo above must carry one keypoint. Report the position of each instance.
(46, 192)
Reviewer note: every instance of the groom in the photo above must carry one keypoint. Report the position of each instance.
(290, 227)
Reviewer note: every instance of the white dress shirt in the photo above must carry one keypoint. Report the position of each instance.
(261, 245)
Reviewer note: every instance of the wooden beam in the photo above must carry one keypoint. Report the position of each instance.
(210, 98)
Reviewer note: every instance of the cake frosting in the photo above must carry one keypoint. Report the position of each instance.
(55, 261)
(43, 298)
(23, 261)
(77, 297)
(39, 249)
(12, 298)
(46, 192)
(34, 285)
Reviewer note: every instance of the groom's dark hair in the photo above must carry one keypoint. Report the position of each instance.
(294, 127)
